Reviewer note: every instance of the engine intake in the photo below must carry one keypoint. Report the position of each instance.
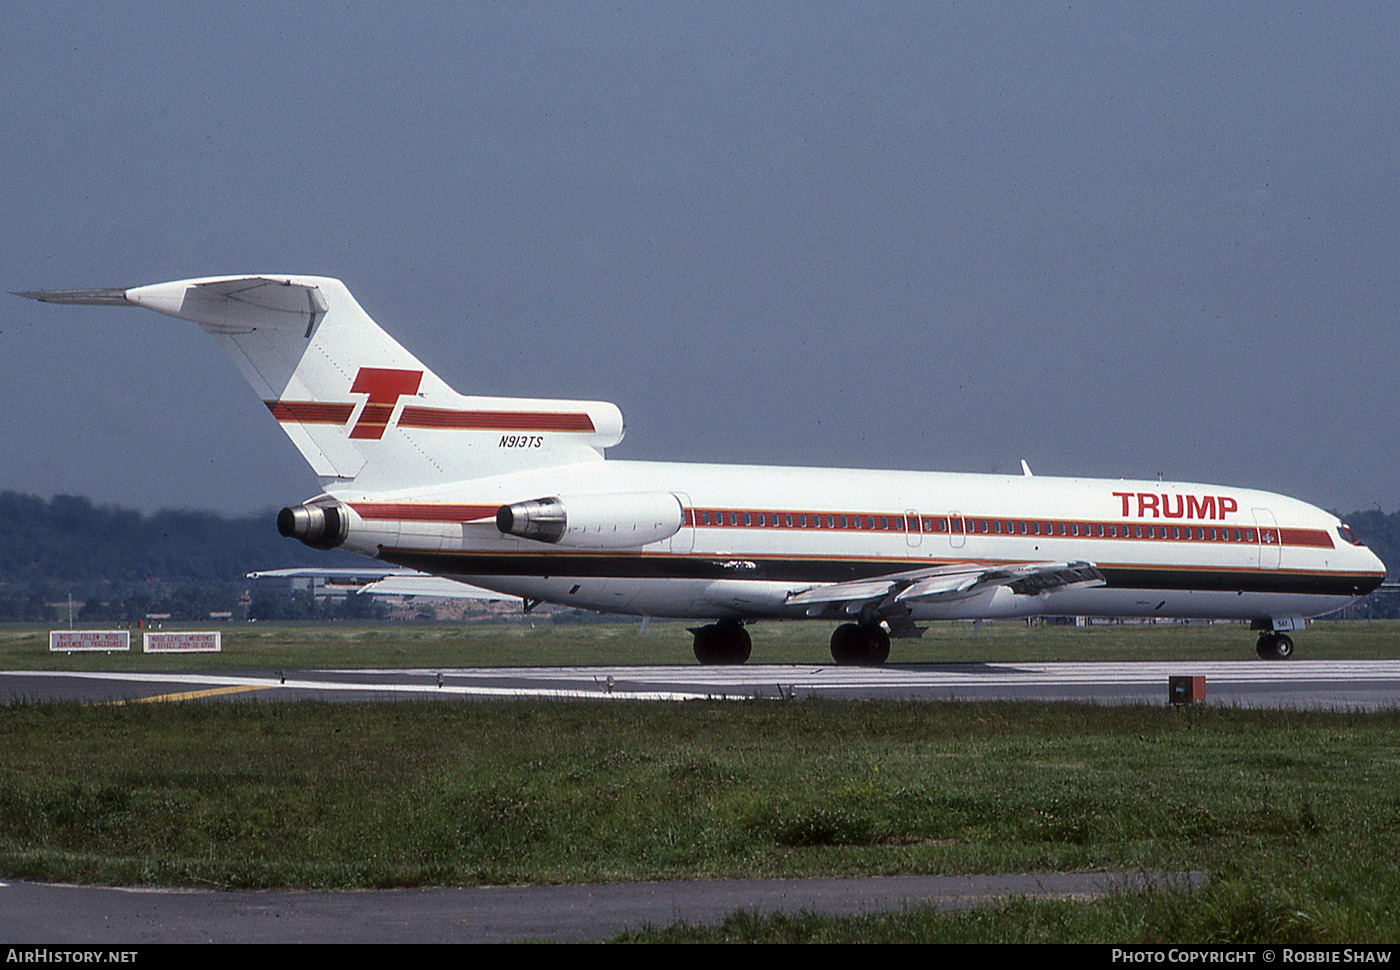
(616, 521)
(319, 526)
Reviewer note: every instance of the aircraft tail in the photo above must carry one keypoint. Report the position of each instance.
(359, 407)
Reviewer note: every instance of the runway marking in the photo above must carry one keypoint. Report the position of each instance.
(235, 684)
(983, 674)
(753, 681)
(192, 695)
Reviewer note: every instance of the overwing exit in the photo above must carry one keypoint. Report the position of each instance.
(514, 495)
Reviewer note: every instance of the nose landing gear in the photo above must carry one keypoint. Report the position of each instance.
(1274, 646)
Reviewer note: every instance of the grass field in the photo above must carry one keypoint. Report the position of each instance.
(1296, 815)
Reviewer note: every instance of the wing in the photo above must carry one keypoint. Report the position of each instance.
(386, 582)
(890, 597)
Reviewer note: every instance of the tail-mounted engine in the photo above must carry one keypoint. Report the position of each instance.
(617, 521)
(322, 525)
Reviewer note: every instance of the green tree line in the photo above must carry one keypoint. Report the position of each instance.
(119, 565)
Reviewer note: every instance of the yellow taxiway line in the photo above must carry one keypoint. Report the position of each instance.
(193, 695)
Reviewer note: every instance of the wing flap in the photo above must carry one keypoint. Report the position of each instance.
(390, 581)
(856, 590)
(951, 582)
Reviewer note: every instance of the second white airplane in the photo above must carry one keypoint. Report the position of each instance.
(514, 495)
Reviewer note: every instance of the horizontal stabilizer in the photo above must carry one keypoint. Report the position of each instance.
(108, 297)
(236, 305)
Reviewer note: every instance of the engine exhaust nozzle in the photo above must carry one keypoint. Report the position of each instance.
(319, 526)
(540, 519)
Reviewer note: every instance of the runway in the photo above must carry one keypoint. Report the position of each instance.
(1314, 684)
(47, 914)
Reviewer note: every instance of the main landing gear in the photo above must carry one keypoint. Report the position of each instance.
(1274, 646)
(854, 644)
(725, 642)
(861, 644)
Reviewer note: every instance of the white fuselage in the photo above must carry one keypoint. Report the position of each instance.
(750, 536)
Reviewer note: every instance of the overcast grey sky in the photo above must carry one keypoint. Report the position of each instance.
(1110, 239)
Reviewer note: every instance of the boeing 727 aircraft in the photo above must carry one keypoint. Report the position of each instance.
(514, 495)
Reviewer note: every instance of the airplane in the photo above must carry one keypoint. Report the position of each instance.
(515, 495)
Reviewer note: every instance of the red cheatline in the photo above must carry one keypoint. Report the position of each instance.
(420, 417)
(310, 412)
(377, 416)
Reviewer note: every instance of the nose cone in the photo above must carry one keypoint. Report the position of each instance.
(1366, 569)
(1373, 562)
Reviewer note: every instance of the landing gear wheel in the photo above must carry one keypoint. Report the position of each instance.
(866, 645)
(1274, 646)
(722, 643)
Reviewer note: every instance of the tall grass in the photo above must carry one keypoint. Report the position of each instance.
(1303, 805)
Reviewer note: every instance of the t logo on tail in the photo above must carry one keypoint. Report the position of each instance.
(384, 386)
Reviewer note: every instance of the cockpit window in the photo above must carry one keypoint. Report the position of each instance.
(1345, 532)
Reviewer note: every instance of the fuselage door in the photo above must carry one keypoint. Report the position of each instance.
(1270, 546)
(956, 530)
(913, 528)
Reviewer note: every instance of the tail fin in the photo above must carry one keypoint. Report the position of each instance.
(358, 406)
